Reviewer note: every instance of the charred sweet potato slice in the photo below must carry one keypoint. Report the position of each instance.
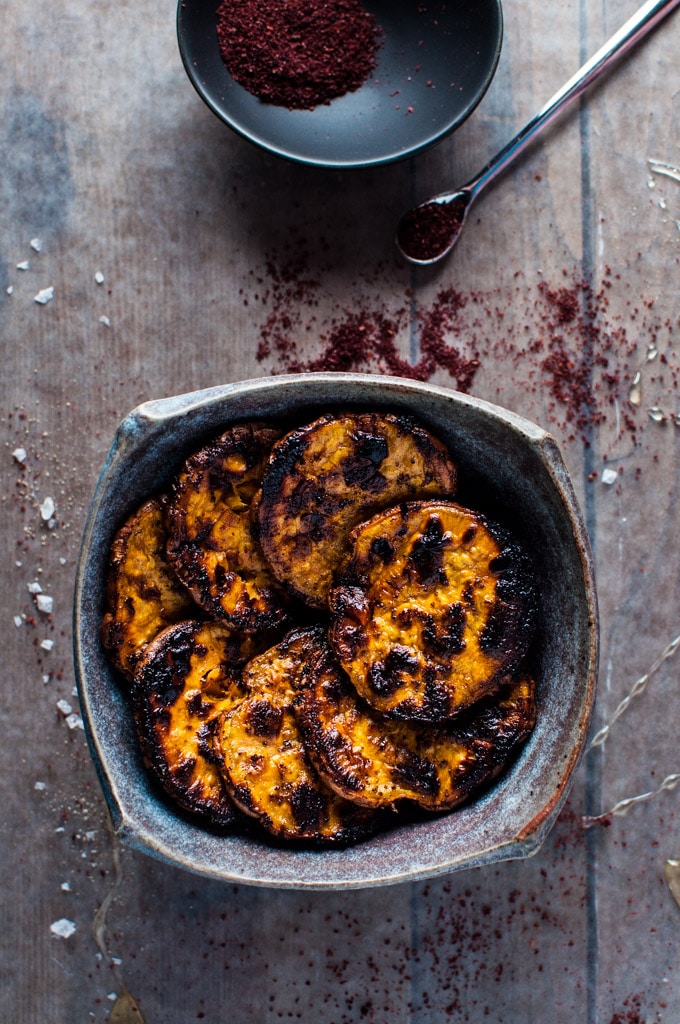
(211, 546)
(325, 478)
(142, 594)
(380, 762)
(264, 762)
(187, 677)
(433, 608)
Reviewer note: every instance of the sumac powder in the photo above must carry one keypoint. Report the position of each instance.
(427, 231)
(298, 53)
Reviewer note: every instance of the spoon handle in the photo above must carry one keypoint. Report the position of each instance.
(642, 22)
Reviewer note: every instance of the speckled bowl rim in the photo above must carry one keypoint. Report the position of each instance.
(513, 818)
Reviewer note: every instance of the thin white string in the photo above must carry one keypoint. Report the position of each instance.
(638, 688)
(623, 806)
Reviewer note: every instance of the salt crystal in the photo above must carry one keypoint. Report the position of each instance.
(24, 265)
(609, 476)
(105, 320)
(36, 244)
(47, 645)
(34, 588)
(45, 678)
(64, 707)
(112, 996)
(19, 455)
(74, 721)
(63, 928)
(18, 621)
(45, 603)
(90, 836)
(44, 296)
(652, 352)
(62, 560)
(656, 414)
(99, 277)
(65, 886)
(47, 509)
(10, 289)
(40, 785)
(635, 393)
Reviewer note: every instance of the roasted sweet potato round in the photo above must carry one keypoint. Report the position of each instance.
(142, 594)
(211, 546)
(434, 607)
(380, 762)
(325, 478)
(262, 757)
(187, 677)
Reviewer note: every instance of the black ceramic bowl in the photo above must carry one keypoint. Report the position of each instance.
(517, 475)
(452, 46)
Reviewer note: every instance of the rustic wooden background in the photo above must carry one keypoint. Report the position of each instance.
(111, 164)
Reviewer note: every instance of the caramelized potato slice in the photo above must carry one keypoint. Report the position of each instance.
(142, 594)
(325, 478)
(433, 608)
(379, 762)
(262, 757)
(187, 677)
(211, 546)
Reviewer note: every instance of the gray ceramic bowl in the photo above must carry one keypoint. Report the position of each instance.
(435, 65)
(509, 468)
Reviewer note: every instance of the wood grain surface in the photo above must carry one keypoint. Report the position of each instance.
(211, 251)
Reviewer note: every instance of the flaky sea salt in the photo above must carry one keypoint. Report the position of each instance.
(24, 265)
(609, 476)
(64, 707)
(18, 621)
(105, 320)
(65, 886)
(40, 785)
(19, 455)
(74, 721)
(63, 928)
(45, 603)
(99, 277)
(47, 509)
(34, 588)
(47, 645)
(44, 296)
(36, 244)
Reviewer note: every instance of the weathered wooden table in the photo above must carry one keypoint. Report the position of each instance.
(180, 256)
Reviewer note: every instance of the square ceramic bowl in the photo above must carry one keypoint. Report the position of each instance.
(508, 468)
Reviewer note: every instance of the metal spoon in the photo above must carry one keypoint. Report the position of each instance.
(430, 230)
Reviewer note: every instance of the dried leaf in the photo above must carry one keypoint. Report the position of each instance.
(671, 870)
(125, 1010)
